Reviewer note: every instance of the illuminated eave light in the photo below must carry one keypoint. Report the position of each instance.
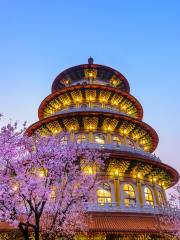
(78, 100)
(90, 171)
(163, 185)
(125, 131)
(90, 127)
(90, 74)
(136, 136)
(109, 128)
(114, 82)
(138, 175)
(41, 174)
(103, 99)
(66, 103)
(116, 172)
(145, 148)
(15, 187)
(142, 142)
(91, 99)
(115, 103)
(67, 82)
(154, 179)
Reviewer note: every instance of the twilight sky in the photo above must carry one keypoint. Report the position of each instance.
(141, 39)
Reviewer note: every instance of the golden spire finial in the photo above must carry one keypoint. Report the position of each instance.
(90, 60)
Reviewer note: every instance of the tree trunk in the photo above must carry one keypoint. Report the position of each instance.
(26, 236)
(36, 232)
(24, 231)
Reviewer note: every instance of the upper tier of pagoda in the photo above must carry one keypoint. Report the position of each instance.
(101, 95)
(90, 74)
(92, 104)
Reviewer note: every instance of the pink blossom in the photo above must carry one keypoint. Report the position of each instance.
(42, 185)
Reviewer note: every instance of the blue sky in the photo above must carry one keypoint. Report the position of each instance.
(141, 39)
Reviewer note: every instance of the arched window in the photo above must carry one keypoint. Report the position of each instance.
(104, 194)
(81, 138)
(148, 196)
(99, 138)
(129, 195)
(84, 105)
(116, 140)
(64, 140)
(130, 142)
(161, 198)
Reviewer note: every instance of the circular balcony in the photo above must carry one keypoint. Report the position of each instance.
(126, 194)
(123, 148)
(129, 130)
(92, 96)
(95, 108)
(146, 209)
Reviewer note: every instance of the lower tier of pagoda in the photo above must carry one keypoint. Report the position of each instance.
(114, 226)
(124, 222)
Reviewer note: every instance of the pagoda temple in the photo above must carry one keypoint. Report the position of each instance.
(92, 104)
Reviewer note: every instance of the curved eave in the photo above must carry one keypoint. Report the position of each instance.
(115, 223)
(86, 66)
(125, 223)
(143, 125)
(50, 97)
(128, 156)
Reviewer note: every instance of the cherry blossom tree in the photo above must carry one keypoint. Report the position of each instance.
(175, 196)
(45, 184)
(168, 222)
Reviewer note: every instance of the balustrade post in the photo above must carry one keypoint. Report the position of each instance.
(108, 138)
(72, 136)
(91, 137)
(124, 138)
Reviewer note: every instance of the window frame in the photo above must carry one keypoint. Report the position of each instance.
(129, 200)
(82, 139)
(149, 197)
(119, 142)
(99, 135)
(106, 197)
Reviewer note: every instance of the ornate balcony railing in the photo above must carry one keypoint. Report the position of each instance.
(117, 207)
(124, 148)
(93, 108)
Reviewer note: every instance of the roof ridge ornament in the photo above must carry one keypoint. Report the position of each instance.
(90, 60)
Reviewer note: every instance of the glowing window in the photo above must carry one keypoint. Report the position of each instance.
(81, 138)
(148, 196)
(161, 199)
(100, 139)
(64, 140)
(88, 170)
(116, 140)
(129, 195)
(104, 195)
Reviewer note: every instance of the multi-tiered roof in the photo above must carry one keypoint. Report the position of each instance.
(92, 103)
(95, 98)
